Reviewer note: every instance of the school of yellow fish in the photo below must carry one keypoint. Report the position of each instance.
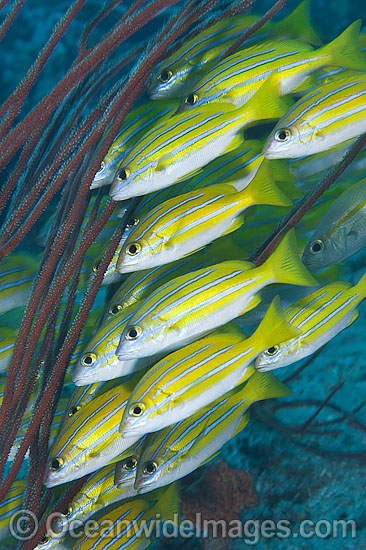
(164, 375)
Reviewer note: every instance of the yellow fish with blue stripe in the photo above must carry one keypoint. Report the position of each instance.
(238, 77)
(137, 123)
(90, 439)
(193, 377)
(17, 274)
(120, 528)
(132, 525)
(240, 165)
(192, 305)
(10, 505)
(325, 117)
(177, 451)
(111, 274)
(98, 492)
(83, 395)
(189, 222)
(127, 467)
(188, 141)
(8, 338)
(320, 317)
(138, 285)
(178, 74)
(98, 361)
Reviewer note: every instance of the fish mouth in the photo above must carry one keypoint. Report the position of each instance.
(158, 94)
(101, 182)
(145, 487)
(52, 481)
(118, 196)
(128, 355)
(123, 483)
(119, 192)
(270, 153)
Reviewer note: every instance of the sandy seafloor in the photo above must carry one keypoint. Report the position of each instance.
(291, 482)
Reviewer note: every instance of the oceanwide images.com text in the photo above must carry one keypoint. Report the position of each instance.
(23, 526)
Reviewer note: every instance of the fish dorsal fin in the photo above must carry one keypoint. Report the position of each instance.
(298, 22)
(263, 190)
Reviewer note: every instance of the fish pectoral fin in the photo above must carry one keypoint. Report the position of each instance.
(354, 317)
(352, 236)
(253, 303)
(306, 84)
(237, 222)
(242, 424)
(211, 457)
(163, 163)
(248, 373)
(194, 251)
(236, 142)
(190, 175)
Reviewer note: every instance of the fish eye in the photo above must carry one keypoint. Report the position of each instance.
(282, 135)
(165, 75)
(115, 309)
(316, 246)
(191, 99)
(150, 468)
(67, 513)
(133, 249)
(129, 464)
(133, 332)
(74, 410)
(95, 267)
(102, 166)
(136, 409)
(132, 222)
(272, 351)
(89, 359)
(56, 464)
(124, 174)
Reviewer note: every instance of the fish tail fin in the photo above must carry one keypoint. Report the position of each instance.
(263, 190)
(266, 102)
(361, 286)
(274, 328)
(286, 265)
(299, 23)
(345, 50)
(264, 385)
